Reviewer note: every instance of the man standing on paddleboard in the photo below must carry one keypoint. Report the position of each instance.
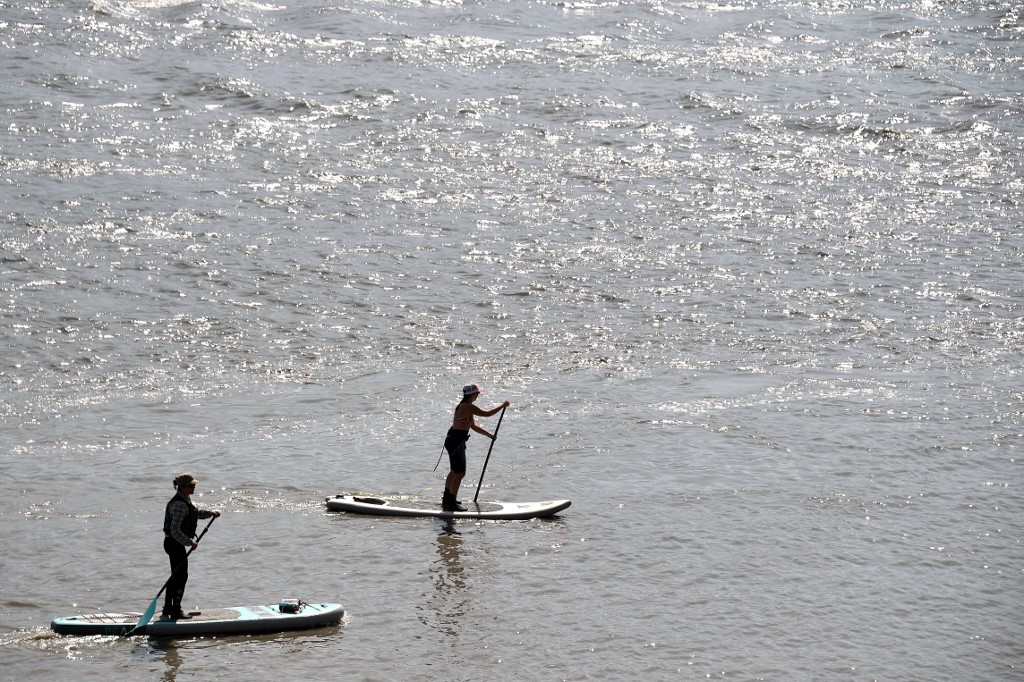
(455, 443)
(181, 520)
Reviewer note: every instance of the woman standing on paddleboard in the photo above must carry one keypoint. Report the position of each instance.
(180, 522)
(455, 443)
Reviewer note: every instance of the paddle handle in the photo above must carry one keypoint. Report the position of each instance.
(477, 494)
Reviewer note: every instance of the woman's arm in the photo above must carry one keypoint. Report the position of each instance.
(482, 430)
(491, 412)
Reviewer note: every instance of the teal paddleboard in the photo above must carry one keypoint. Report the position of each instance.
(235, 620)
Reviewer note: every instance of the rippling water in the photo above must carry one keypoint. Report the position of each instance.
(748, 272)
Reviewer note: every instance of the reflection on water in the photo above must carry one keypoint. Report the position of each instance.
(167, 651)
(450, 597)
(448, 526)
(152, 650)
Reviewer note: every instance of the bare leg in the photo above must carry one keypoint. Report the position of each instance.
(453, 481)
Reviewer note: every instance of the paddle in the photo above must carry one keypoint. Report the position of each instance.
(148, 615)
(489, 453)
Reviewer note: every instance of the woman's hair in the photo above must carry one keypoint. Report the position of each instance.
(465, 399)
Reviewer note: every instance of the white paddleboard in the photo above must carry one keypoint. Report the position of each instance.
(401, 506)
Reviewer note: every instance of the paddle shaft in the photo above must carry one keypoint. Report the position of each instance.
(148, 615)
(489, 453)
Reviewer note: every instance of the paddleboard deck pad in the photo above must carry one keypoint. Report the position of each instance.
(236, 620)
(401, 506)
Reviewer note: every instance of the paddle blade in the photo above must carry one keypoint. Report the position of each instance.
(146, 617)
